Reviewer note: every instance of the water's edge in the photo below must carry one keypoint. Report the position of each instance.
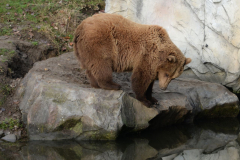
(209, 139)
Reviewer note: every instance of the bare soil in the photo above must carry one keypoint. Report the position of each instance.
(14, 68)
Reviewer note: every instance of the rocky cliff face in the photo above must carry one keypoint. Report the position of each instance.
(208, 31)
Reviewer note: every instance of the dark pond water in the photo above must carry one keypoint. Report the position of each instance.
(210, 140)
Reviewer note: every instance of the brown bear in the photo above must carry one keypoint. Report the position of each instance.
(106, 43)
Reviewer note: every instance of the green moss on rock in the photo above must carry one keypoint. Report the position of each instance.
(100, 135)
(73, 125)
(42, 128)
(77, 128)
(56, 96)
(226, 110)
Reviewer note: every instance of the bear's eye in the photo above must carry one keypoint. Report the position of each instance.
(167, 75)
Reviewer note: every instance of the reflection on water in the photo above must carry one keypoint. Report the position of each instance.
(213, 140)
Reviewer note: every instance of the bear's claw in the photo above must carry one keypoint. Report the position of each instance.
(147, 103)
(154, 101)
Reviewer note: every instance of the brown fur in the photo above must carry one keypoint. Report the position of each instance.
(107, 43)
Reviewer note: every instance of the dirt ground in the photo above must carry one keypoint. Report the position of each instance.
(13, 68)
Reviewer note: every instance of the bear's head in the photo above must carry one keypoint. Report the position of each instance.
(171, 59)
(171, 68)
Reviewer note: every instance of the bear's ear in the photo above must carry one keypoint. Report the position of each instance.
(188, 60)
(171, 58)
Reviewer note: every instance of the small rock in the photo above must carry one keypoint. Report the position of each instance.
(16, 115)
(24, 55)
(3, 109)
(64, 48)
(18, 134)
(10, 138)
(15, 101)
(3, 37)
(7, 5)
(6, 132)
(1, 133)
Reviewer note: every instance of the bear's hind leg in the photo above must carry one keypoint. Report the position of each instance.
(92, 80)
(148, 94)
(103, 75)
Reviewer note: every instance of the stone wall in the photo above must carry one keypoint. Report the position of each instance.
(208, 31)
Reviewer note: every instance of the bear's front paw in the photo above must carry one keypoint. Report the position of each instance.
(147, 103)
(154, 101)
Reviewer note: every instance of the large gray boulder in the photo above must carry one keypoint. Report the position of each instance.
(206, 99)
(57, 102)
(207, 31)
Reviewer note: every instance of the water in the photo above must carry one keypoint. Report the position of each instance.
(213, 140)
